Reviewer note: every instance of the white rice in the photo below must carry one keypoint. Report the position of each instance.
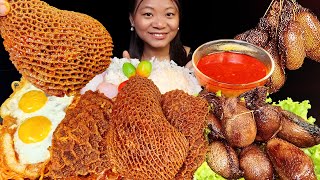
(166, 75)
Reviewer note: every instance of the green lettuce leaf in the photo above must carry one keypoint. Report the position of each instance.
(299, 108)
(204, 172)
(314, 153)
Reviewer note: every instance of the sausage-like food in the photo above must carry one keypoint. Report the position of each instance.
(238, 124)
(255, 164)
(289, 161)
(223, 159)
(297, 131)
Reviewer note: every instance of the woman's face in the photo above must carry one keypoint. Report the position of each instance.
(156, 22)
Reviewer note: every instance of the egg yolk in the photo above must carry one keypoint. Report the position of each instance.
(34, 129)
(32, 101)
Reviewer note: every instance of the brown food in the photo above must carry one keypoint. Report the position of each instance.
(58, 51)
(255, 163)
(142, 143)
(311, 27)
(78, 144)
(292, 46)
(223, 159)
(289, 161)
(215, 127)
(297, 131)
(214, 101)
(255, 98)
(278, 77)
(188, 114)
(255, 36)
(238, 124)
(289, 32)
(290, 36)
(268, 121)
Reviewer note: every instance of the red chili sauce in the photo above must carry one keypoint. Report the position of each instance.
(229, 67)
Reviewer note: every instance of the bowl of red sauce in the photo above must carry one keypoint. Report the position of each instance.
(232, 66)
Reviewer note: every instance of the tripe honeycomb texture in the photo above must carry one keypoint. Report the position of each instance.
(142, 144)
(78, 144)
(188, 114)
(58, 51)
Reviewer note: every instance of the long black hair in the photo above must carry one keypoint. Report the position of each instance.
(177, 52)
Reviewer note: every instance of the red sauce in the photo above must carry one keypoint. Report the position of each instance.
(232, 67)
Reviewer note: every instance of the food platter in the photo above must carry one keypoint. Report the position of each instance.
(300, 84)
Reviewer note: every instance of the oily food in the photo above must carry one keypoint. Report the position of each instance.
(290, 33)
(58, 51)
(252, 138)
(189, 115)
(78, 144)
(30, 118)
(142, 143)
(144, 134)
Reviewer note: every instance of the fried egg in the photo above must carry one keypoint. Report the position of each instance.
(37, 115)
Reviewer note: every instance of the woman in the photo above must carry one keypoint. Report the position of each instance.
(155, 31)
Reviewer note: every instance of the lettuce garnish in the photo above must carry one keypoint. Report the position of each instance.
(204, 172)
(299, 108)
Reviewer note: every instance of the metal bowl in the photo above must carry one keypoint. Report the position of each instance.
(236, 46)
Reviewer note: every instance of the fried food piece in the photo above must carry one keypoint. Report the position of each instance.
(215, 128)
(56, 50)
(188, 114)
(290, 37)
(268, 121)
(78, 144)
(142, 143)
(255, 36)
(238, 123)
(223, 159)
(298, 131)
(289, 161)
(311, 27)
(265, 36)
(289, 32)
(10, 167)
(255, 163)
(292, 47)
(278, 77)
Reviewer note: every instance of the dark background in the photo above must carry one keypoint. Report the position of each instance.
(202, 21)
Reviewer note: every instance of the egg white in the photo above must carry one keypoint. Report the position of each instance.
(54, 110)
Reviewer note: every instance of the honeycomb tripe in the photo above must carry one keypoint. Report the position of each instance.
(78, 144)
(58, 51)
(188, 114)
(142, 143)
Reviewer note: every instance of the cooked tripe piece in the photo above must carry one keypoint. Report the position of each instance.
(142, 143)
(78, 145)
(188, 114)
(58, 51)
